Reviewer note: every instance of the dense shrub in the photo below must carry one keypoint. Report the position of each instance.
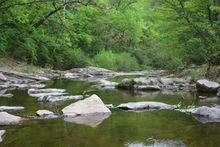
(116, 61)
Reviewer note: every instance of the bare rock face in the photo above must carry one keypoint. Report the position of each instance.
(207, 86)
(88, 106)
(9, 119)
(145, 106)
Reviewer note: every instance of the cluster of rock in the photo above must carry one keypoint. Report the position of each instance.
(156, 84)
(52, 95)
(12, 79)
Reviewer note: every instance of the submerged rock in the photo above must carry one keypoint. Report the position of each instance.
(207, 86)
(9, 119)
(91, 120)
(144, 106)
(88, 106)
(157, 143)
(107, 84)
(9, 95)
(218, 94)
(46, 92)
(204, 114)
(109, 106)
(46, 114)
(11, 108)
(2, 133)
(147, 87)
(58, 98)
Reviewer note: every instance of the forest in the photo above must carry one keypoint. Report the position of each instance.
(121, 35)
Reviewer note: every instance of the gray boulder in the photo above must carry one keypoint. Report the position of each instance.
(88, 106)
(204, 114)
(104, 84)
(9, 119)
(207, 86)
(144, 106)
(167, 81)
(2, 77)
(11, 108)
(46, 114)
(2, 133)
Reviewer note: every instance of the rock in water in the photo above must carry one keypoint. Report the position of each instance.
(46, 92)
(53, 99)
(126, 84)
(9, 119)
(144, 106)
(204, 114)
(2, 77)
(11, 108)
(207, 86)
(2, 133)
(46, 114)
(147, 87)
(9, 95)
(91, 105)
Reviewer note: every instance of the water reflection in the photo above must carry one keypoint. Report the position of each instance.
(92, 120)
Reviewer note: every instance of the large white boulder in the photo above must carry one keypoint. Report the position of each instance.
(9, 119)
(91, 105)
(205, 85)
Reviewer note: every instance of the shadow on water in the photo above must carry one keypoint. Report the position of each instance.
(122, 128)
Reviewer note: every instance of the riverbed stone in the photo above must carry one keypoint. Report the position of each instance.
(205, 85)
(105, 84)
(218, 94)
(204, 114)
(58, 98)
(147, 105)
(46, 92)
(46, 114)
(2, 77)
(88, 106)
(167, 81)
(2, 133)
(11, 108)
(9, 119)
(147, 87)
(9, 95)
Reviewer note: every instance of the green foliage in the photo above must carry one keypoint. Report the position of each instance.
(117, 34)
(116, 61)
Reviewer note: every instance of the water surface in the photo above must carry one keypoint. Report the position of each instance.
(122, 128)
